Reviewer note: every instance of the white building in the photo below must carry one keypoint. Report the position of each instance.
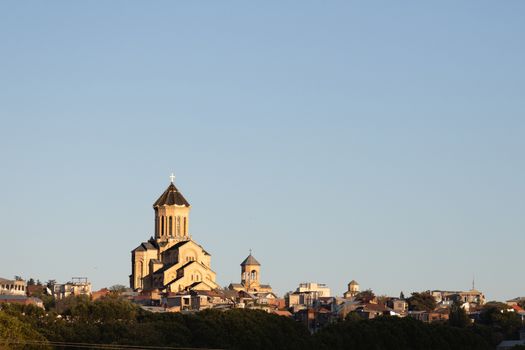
(77, 286)
(319, 289)
(306, 294)
(12, 287)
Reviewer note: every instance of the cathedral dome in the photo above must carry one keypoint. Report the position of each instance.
(171, 196)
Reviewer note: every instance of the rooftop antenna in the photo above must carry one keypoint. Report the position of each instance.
(473, 282)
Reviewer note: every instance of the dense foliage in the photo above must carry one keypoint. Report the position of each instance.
(390, 333)
(496, 322)
(421, 302)
(113, 320)
(458, 316)
(14, 333)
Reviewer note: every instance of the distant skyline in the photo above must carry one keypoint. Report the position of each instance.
(376, 141)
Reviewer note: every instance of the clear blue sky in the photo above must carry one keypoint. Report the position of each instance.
(381, 141)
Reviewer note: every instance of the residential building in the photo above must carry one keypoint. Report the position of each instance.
(319, 289)
(306, 295)
(12, 287)
(196, 300)
(438, 315)
(399, 306)
(77, 286)
(446, 298)
(372, 310)
(21, 299)
(516, 301)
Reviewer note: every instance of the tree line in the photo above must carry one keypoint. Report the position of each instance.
(113, 320)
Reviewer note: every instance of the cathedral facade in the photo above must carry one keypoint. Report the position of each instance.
(171, 261)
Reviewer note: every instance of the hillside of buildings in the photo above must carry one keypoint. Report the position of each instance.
(115, 320)
(173, 300)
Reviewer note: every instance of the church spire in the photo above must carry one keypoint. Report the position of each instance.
(171, 215)
(250, 260)
(171, 196)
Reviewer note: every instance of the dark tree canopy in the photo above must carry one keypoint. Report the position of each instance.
(365, 296)
(389, 333)
(114, 320)
(14, 332)
(421, 302)
(458, 316)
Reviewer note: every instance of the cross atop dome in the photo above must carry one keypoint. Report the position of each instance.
(171, 196)
(172, 177)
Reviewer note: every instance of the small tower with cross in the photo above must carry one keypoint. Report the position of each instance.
(250, 269)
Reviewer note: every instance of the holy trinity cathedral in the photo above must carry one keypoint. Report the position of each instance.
(171, 261)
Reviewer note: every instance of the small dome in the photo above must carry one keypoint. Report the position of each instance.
(250, 260)
(353, 283)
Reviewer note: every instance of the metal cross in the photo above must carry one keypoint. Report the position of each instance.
(172, 177)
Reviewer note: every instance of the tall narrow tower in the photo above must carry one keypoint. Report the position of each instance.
(250, 269)
(172, 213)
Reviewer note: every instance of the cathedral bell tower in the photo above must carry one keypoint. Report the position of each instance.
(172, 212)
(250, 269)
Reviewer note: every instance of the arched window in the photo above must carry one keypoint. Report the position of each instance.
(254, 275)
(171, 226)
(141, 271)
(162, 230)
